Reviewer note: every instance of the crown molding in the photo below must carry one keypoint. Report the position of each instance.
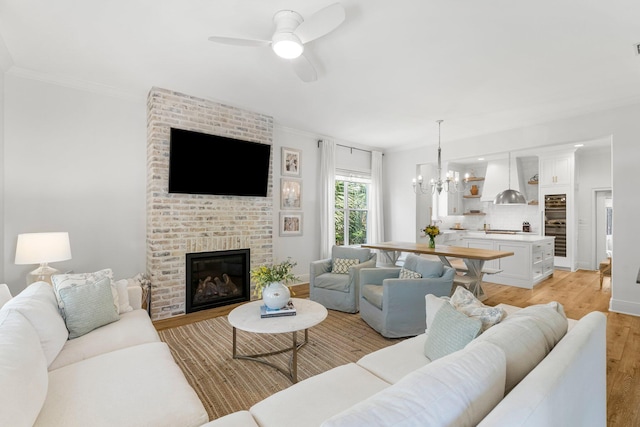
(76, 84)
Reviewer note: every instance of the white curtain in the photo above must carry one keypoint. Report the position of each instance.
(376, 218)
(327, 197)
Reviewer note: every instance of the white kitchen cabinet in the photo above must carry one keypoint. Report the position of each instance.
(557, 183)
(480, 244)
(557, 169)
(532, 260)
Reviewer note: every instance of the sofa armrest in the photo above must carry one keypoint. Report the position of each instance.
(569, 386)
(403, 289)
(375, 276)
(135, 297)
(320, 266)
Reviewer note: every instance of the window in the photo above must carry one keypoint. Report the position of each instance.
(352, 208)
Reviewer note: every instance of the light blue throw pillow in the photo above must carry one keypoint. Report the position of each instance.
(88, 307)
(451, 331)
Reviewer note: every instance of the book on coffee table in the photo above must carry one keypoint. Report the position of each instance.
(287, 310)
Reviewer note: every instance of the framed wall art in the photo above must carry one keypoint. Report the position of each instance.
(290, 224)
(291, 159)
(290, 193)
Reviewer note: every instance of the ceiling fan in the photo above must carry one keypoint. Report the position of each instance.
(291, 33)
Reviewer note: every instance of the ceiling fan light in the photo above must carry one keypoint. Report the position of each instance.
(287, 45)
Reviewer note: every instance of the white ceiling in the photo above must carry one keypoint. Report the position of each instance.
(384, 76)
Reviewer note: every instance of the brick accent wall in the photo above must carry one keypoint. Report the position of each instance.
(182, 223)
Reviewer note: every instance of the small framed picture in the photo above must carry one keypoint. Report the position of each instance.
(291, 159)
(290, 193)
(290, 223)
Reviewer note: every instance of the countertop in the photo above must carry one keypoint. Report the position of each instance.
(519, 237)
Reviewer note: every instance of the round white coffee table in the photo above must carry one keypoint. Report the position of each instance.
(247, 318)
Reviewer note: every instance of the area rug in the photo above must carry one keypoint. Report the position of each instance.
(225, 385)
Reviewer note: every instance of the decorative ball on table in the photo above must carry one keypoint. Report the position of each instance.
(270, 283)
(432, 231)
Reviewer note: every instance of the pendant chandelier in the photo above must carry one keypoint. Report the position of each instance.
(509, 196)
(436, 185)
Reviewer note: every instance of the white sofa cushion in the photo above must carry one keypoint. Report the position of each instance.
(88, 307)
(23, 370)
(526, 337)
(135, 386)
(395, 361)
(133, 328)
(37, 302)
(235, 419)
(458, 390)
(317, 398)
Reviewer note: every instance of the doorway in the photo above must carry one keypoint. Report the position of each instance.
(603, 226)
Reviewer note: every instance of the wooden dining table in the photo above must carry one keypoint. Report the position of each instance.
(473, 258)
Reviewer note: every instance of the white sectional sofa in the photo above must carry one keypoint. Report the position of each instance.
(526, 370)
(120, 374)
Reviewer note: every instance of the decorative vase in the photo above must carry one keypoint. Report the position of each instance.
(474, 190)
(432, 241)
(276, 295)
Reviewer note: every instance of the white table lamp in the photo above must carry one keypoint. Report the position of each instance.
(42, 248)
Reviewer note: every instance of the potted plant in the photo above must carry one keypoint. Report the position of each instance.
(270, 283)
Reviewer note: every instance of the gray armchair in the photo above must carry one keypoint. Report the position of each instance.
(339, 291)
(396, 307)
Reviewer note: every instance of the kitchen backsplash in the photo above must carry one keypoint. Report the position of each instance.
(498, 217)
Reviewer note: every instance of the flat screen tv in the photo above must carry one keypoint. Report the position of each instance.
(200, 163)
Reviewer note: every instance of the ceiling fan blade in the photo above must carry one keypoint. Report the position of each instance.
(304, 69)
(234, 41)
(320, 23)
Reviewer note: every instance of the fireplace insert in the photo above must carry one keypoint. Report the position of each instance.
(217, 278)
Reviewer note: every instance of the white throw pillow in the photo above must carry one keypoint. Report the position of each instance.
(457, 390)
(465, 302)
(88, 307)
(61, 281)
(123, 296)
(433, 304)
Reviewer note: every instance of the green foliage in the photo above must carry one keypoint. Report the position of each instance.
(264, 275)
(351, 212)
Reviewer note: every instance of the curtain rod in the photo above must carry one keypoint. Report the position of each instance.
(351, 148)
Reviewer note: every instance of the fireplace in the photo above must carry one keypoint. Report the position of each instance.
(217, 278)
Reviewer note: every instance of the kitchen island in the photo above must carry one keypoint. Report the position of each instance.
(531, 263)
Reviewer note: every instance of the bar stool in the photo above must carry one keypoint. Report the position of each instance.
(605, 269)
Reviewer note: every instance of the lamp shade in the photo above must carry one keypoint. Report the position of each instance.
(510, 197)
(37, 248)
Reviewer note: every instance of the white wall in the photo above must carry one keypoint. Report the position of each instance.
(593, 171)
(5, 64)
(306, 248)
(621, 124)
(400, 168)
(75, 160)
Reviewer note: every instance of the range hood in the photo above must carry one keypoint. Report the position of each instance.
(496, 178)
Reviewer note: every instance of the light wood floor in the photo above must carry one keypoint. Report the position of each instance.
(580, 294)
